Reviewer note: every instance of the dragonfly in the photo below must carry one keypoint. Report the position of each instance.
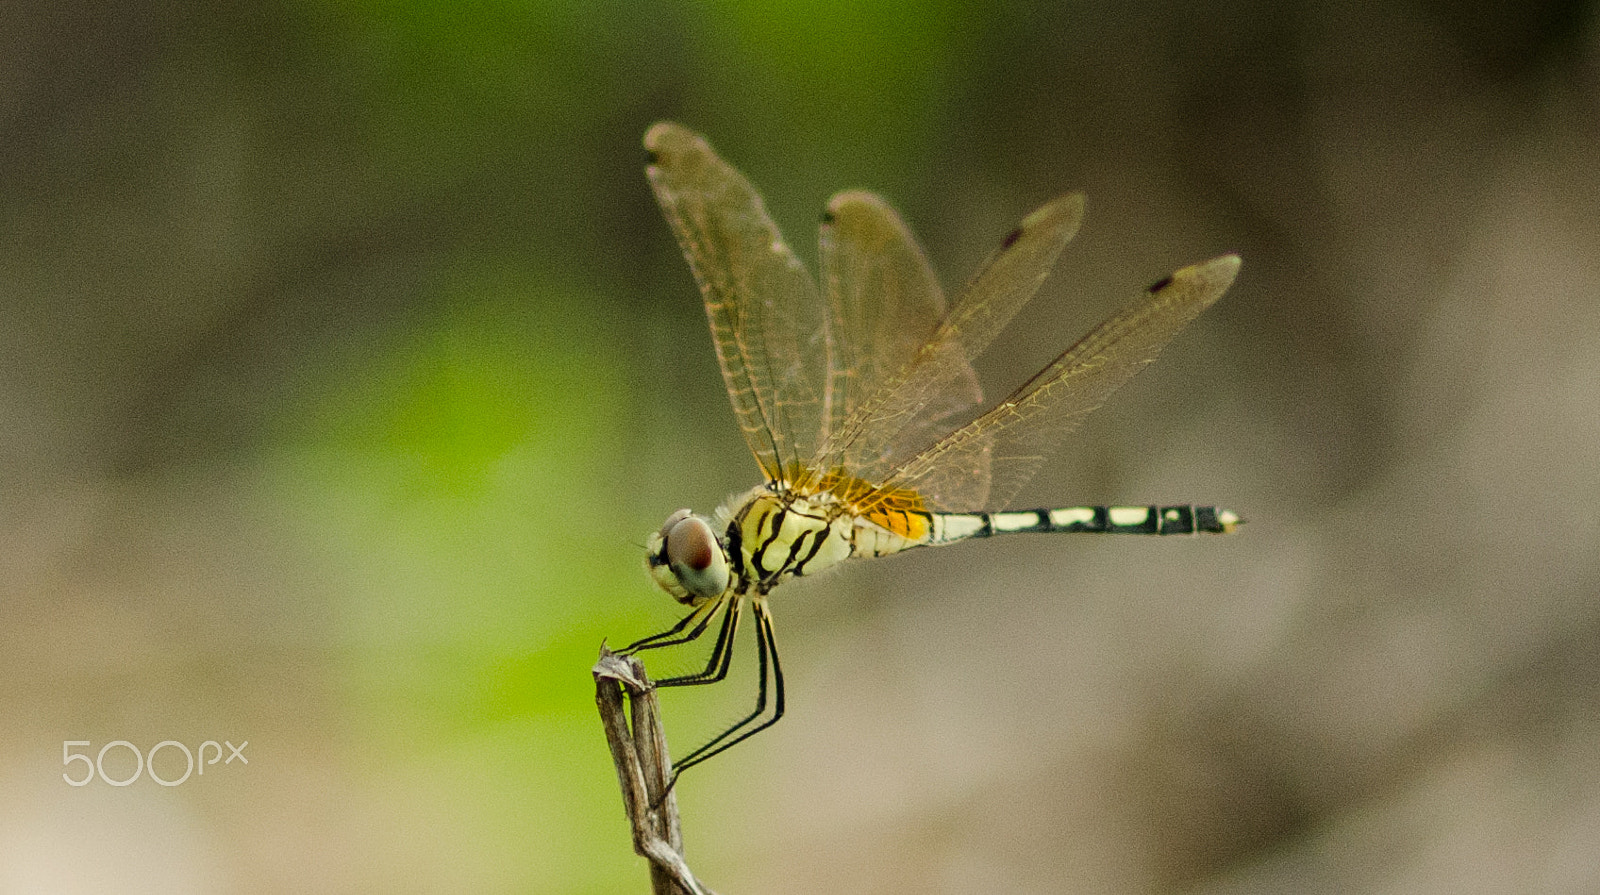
(851, 397)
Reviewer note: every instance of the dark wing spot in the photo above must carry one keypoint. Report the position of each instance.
(828, 216)
(1011, 239)
(1161, 284)
(652, 157)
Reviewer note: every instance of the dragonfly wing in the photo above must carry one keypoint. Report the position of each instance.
(902, 416)
(1009, 441)
(767, 320)
(884, 303)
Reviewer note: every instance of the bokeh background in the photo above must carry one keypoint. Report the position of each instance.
(345, 361)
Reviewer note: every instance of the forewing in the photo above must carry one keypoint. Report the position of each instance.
(1005, 445)
(904, 414)
(767, 321)
(884, 303)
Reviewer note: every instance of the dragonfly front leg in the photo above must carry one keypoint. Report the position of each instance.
(721, 652)
(700, 618)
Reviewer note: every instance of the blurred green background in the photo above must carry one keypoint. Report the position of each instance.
(346, 362)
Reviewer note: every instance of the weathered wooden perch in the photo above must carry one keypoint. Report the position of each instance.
(639, 751)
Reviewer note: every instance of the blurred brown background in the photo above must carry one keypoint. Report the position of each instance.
(346, 360)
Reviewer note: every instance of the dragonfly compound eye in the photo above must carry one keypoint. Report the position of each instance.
(696, 559)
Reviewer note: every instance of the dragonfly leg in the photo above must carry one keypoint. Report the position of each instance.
(766, 646)
(700, 618)
(721, 652)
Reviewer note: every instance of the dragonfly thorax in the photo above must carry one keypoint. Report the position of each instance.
(778, 533)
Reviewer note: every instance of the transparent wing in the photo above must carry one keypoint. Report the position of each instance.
(981, 465)
(884, 303)
(767, 321)
(902, 415)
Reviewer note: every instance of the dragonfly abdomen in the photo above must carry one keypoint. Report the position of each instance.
(1149, 520)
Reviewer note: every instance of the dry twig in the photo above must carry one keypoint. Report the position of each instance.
(639, 751)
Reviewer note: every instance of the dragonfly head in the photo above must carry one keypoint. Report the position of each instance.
(687, 560)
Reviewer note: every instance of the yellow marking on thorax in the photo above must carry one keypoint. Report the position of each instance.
(900, 511)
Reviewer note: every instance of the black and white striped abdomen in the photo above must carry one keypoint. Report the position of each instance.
(1150, 520)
